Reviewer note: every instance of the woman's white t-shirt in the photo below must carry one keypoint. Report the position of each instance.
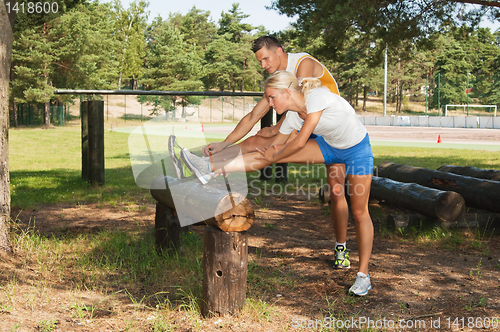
(338, 123)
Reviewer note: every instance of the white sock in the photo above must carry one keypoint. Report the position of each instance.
(340, 244)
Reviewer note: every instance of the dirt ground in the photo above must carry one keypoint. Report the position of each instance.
(413, 283)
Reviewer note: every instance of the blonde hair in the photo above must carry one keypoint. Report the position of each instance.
(282, 80)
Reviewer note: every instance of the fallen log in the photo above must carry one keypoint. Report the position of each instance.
(477, 193)
(227, 211)
(488, 174)
(446, 206)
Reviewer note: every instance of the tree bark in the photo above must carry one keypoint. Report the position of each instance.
(167, 228)
(446, 206)
(225, 269)
(477, 193)
(365, 90)
(46, 115)
(6, 40)
(488, 174)
(231, 212)
(14, 106)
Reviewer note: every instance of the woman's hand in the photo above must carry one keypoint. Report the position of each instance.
(268, 153)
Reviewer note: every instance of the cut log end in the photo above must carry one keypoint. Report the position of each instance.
(237, 218)
(451, 206)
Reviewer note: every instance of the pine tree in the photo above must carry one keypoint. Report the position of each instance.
(130, 25)
(171, 65)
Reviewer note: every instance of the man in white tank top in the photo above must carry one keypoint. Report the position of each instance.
(270, 54)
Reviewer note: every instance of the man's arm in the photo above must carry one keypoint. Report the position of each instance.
(242, 128)
(309, 68)
(272, 130)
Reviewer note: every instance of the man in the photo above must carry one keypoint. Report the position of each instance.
(272, 57)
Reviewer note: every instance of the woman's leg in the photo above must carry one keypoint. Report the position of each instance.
(310, 154)
(359, 189)
(339, 211)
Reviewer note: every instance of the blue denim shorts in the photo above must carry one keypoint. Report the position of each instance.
(358, 159)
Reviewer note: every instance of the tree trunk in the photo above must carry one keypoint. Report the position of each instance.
(357, 95)
(229, 212)
(446, 206)
(225, 269)
(167, 228)
(488, 174)
(243, 76)
(6, 40)
(46, 115)
(401, 97)
(364, 98)
(14, 107)
(477, 193)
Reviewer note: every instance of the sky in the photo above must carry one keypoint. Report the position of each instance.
(259, 15)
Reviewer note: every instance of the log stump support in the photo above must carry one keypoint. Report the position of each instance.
(92, 123)
(225, 268)
(168, 231)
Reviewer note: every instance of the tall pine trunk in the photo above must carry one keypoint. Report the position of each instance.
(6, 39)
(14, 107)
(46, 115)
(365, 90)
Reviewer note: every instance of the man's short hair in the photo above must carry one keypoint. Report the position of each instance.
(265, 41)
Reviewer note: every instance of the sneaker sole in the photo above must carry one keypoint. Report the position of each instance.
(342, 267)
(175, 160)
(363, 293)
(193, 169)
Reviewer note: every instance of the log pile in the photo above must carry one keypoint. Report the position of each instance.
(478, 193)
(441, 195)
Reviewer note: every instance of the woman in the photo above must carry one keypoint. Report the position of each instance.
(344, 146)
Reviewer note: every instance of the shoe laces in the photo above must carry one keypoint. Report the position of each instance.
(341, 253)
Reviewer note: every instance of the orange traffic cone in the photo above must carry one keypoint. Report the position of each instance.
(439, 139)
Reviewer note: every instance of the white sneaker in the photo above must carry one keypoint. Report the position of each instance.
(198, 165)
(362, 285)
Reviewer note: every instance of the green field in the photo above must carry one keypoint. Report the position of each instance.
(45, 167)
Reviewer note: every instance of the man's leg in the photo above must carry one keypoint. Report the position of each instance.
(253, 143)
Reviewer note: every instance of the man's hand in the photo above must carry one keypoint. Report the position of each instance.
(266, 132)
(214, 148)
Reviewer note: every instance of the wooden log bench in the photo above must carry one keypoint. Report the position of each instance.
(225, 240)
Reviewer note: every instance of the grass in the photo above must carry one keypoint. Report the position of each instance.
(45, 168)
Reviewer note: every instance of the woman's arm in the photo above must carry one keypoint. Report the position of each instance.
(273, 155)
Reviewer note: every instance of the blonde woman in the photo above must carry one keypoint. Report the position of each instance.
(329, 133)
